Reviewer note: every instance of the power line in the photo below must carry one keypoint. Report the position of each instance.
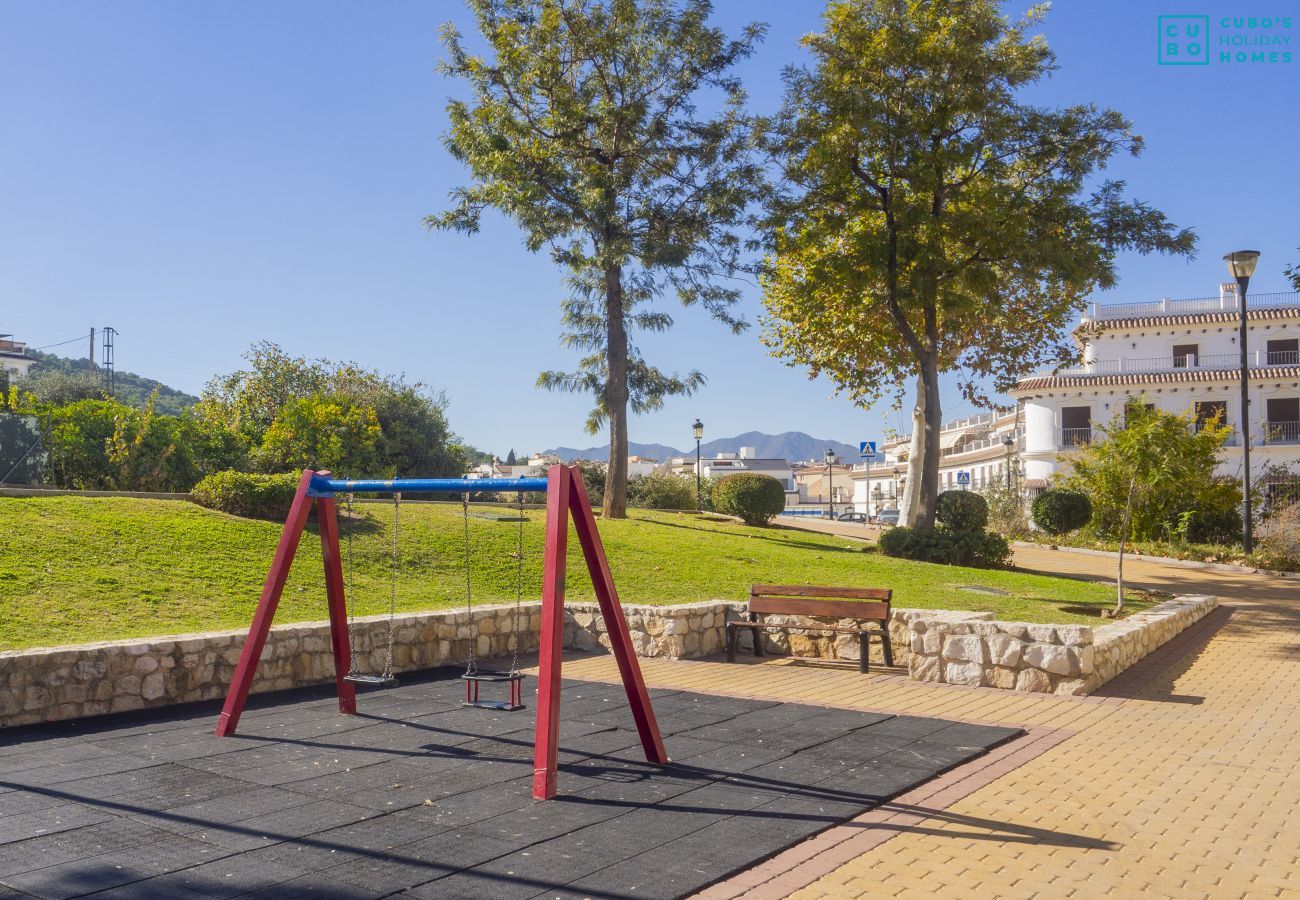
(80, 337)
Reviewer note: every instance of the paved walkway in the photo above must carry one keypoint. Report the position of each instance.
(1180, 779)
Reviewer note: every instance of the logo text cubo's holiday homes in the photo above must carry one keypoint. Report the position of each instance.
(1199, 40)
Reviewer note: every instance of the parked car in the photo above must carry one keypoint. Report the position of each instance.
(853, 517)
(887, 517)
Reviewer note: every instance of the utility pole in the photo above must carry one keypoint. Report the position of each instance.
(110, 376)
(92, 349)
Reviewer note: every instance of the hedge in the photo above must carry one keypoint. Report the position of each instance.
(248, 495)
(955, 548)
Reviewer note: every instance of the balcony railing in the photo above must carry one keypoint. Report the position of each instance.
(1076, 437)
(994, 441)
(1225, 303)
(1257, 359)
(1282, 432)
(978, 419)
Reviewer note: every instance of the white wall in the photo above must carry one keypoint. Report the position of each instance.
(1043, 419)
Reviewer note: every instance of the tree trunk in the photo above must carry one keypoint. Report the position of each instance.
(615, 504)
(922, 490)
(910, 501)
(1123, 537)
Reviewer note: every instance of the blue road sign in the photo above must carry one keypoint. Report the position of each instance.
(963, 477)
(866, 448)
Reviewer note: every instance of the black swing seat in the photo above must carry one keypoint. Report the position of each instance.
(473, 679)
(371, 680)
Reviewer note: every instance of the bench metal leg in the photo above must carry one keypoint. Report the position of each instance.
(864, 652)
(733, 639)
(757, 635)
(886, 646)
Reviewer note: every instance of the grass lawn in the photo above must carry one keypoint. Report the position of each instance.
(76, 569)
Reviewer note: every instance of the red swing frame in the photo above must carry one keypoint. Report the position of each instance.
(566, 498)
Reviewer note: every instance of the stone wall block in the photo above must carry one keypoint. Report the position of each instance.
(1004, 650)
(1042, 634)
(965, 648)
(971, 673)
(1034, 681)
(1054, 658)
(925, 668)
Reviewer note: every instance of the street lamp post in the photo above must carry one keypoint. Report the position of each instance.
(830, 478)
(1241, 265)
(698, 429)
(1008, 441)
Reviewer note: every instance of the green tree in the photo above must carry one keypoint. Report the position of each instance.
(1148, 472)
(510, 458)
(415, 438)
(662, 492)
(1006, 510)
(59, 388)
(324, 431)
(934, 222)
(583, 128)
(593, 479)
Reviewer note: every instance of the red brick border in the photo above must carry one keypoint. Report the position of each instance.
(804, 863)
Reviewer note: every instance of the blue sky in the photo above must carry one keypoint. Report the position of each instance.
(201, 176)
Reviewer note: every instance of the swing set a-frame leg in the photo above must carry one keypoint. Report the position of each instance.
(566, 495)
(272, 590)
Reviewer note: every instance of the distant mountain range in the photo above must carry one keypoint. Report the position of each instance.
(791, 445)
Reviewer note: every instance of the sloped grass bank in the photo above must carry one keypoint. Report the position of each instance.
(77, 569)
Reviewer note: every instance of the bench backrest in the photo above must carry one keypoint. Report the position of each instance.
(808, 600)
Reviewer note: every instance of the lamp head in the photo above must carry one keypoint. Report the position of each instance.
(1241, 263)
(698, 428)
(830, 457)
(1008, 440)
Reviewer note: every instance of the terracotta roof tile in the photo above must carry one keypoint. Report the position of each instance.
(1252, 315)
(1178, 376)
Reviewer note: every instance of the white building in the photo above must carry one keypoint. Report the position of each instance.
(974, 453)
(640, 466)
(1177, 355)
(538, 463)
(13, 357)
(747, 460)
(819, 484)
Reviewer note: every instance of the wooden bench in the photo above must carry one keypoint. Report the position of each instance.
(870, 604)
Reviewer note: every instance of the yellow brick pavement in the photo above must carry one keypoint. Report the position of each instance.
(1180, 779)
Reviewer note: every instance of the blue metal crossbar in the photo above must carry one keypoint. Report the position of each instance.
(328, 487)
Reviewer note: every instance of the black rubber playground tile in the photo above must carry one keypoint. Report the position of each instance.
(419, 797)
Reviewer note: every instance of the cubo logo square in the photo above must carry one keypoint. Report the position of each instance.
(1184, 41)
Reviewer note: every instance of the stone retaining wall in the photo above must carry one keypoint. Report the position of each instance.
(936, 645)
(1056, 659)
(1119, 645)
(114, 676)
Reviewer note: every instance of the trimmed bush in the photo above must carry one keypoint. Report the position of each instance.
(248, 495)
(954, 548)
(755, 499)
(1061, 510)
(661, 492)
(961, 511)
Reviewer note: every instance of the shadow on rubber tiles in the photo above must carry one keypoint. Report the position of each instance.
(419, 797)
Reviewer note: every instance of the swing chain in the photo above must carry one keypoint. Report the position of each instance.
(392, 586)
(472, 663)
(519, 587)
(351, 597)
